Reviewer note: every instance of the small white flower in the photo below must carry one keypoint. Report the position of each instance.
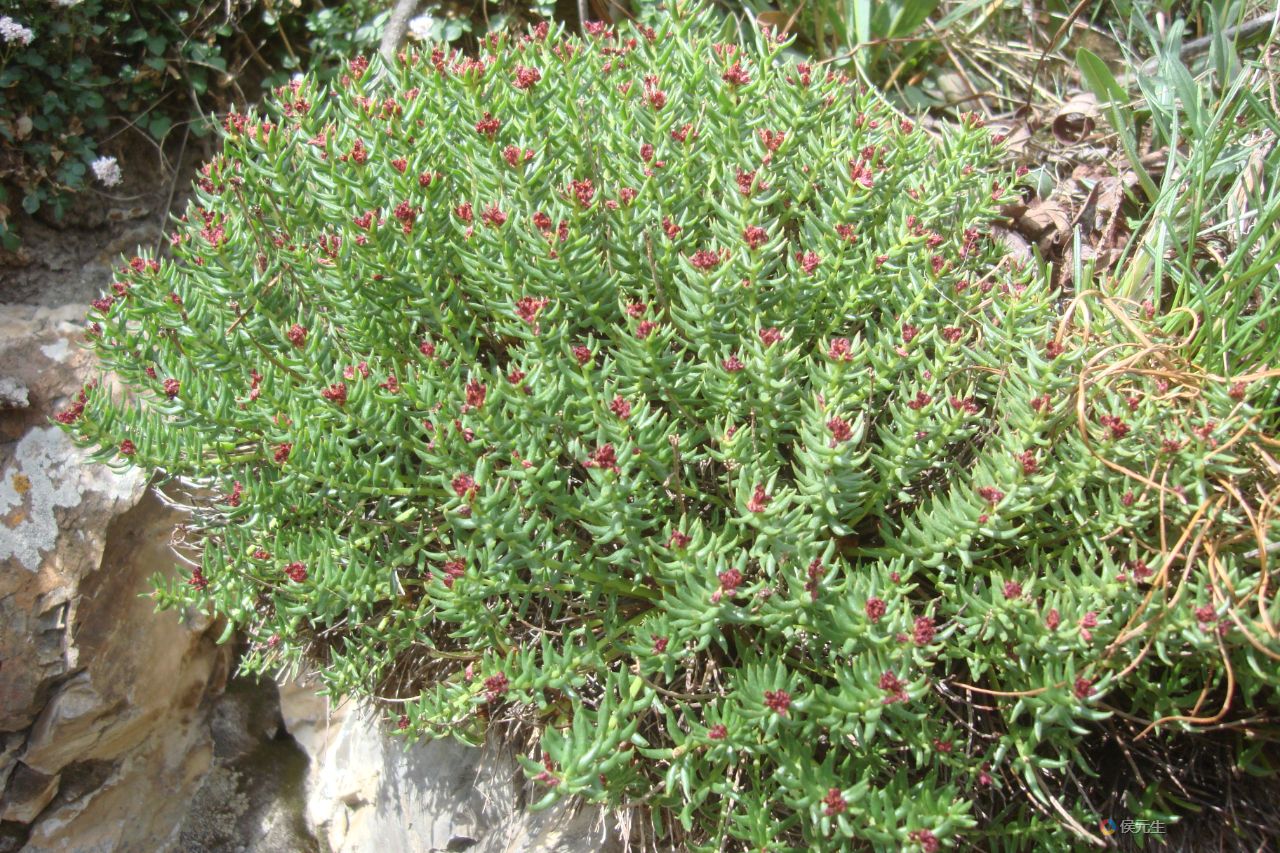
(421, 27)
(11, 31)
(108, 171)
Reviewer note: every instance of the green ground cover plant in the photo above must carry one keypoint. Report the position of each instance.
(668, 407)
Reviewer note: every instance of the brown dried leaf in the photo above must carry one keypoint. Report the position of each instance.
(1044, 218)
(1075, 119)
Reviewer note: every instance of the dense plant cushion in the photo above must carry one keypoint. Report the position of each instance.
(670, 404)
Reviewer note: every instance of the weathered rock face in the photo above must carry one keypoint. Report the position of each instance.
(368, 792)
(103, 703)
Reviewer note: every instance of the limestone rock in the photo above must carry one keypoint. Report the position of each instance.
(103, 702)
(370, 792)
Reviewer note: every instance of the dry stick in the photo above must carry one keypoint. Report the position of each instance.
(1244, 32)
(397, 26)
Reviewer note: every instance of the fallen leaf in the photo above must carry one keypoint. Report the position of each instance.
(1075, 119)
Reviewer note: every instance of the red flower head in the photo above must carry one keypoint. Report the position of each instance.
(730, 580)
(1053, 620)
(991, 494)
(282, 452)
(659, 644)
(646, 152)
(759, 500)
(645, 329)
(584, 191)
(736, 75)
(875, 609)
(777, 701)
(400, 164)
(1029, 463)
(464, 485)
(755, 236)
(732, 364)
(604, 457)
(296, 572)
(679, 540)
(526, 77)
(637, 309)
(620, 407)
(198, 581)
(627, 195)
(909, 332)
(672, 230)
(921, 400)
(705, 260)
(528, 307)
(127, 448)
(770, 336)
(297, 335)
(717, 732)
(336, 393)
(839, 350)
(583, 355)
(488, 126)
(840, 430)
(1012, 590)
(493, 217)
(171, 388)
(495, 686)
(475, 394)
(1083, 688)
(834, 803)
(924, 630)
(808, 261)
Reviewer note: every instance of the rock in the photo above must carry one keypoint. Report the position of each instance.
(370, 792)
(103, 702)
(26, 794)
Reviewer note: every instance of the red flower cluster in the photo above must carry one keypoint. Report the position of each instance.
(297, 335)
(732, 364)
(705, 260)
(894, 686)
(493, 217)
(730, 580)
(464, 485)
(754, 236)
(834, 803)
(620, 407)
(759, 500)
(296, 572)
(495, 686)
(488, 126)
(921, 400)
(525, 77)
(875, 609)
(990, 494)
(645, 329)
(604, 457)
(839, 349)
(777, 701)
(840, 430)
(924, 630)
(584, 191)
(171, 388)
(336, 393)
(282, 452)
(736, 75)
(770, 336)
(583, 355)
(808, 261)
(476, 392)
